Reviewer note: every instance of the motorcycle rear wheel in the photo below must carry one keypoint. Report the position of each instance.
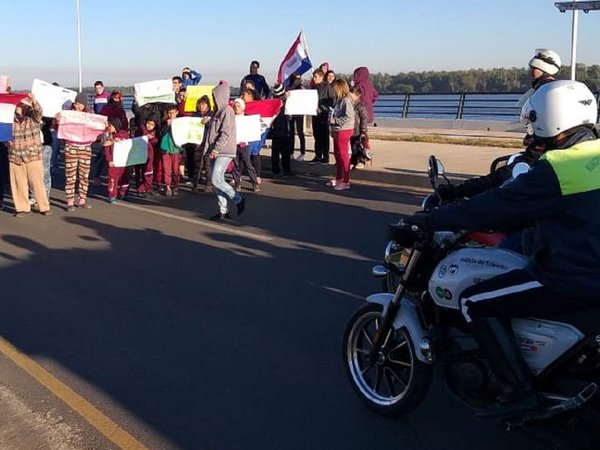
(397, 381)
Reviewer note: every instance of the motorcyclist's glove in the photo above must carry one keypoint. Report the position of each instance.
(446, 192)
(421, 220)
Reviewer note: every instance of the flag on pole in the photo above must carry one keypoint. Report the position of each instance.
(296, 61)
(8, 103)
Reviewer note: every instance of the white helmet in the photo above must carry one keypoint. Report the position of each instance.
(546, 60)
(559, 106)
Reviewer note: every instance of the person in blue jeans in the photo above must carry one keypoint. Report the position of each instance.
(221, 148)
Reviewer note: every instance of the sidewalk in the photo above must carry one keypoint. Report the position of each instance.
(405, 163)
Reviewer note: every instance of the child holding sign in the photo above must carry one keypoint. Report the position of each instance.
(118, 177)
(171, 156)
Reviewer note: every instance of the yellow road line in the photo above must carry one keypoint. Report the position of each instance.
(85, 409)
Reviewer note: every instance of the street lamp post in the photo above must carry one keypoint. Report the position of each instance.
(576, 6)
(79, 47)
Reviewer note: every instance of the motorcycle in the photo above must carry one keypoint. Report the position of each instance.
(392, 343)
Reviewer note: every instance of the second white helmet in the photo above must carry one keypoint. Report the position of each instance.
(546, 60)
(559, 106)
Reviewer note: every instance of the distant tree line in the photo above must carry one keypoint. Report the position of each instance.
(474, 80)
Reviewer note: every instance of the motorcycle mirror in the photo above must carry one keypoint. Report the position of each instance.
(432, 169)
(440, 167)
(519, 169)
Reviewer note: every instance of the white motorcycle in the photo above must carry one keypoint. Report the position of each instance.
(391, 344)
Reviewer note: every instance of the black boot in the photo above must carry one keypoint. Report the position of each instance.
(497, 340)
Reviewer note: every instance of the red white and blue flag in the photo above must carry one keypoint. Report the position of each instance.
(8, 103)
(296, 61)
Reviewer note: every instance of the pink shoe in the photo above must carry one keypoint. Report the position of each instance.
(342, 186)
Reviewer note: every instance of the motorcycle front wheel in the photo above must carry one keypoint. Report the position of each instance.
(394, 381)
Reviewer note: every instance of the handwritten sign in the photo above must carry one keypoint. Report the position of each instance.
(187, 130)
(158, 91)
(53, 99)
(302, 102)
(4, 84)
(81, 127)
(247, 128)
(195, 93)
(130, 152)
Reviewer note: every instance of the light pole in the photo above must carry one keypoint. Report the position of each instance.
(576, 6)
(79, 47)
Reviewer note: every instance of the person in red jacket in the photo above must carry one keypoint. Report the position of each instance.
(144, 173)
(114, 108)
(118, 177)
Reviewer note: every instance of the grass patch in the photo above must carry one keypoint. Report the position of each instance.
(437, 139)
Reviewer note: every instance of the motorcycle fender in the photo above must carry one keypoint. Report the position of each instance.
(407, 317)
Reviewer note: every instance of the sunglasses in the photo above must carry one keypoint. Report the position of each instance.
(547, 59)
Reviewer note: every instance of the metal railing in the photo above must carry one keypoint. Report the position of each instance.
(469, 106)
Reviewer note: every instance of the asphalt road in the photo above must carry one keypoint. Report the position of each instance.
(193, 335)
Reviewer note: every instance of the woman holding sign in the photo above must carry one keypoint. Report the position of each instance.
(78, 158)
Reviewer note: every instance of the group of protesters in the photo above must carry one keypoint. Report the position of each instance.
(343, 113)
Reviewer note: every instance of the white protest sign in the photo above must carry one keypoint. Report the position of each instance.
(130, 152)
(187, 130)
(52, 98)
(82, 127)
(247, 128)
(160, 91)
(302, 102)
(4, 84)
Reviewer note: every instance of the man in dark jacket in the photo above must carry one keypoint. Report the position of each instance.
(561, 196)
(260, 83)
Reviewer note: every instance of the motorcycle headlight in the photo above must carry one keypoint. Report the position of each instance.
(396, 255)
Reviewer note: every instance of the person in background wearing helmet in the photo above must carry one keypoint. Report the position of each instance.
(561, 196)
(544, 65)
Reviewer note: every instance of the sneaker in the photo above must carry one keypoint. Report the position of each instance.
(71, 208)
(46, 213)
(300, 157)
(332, 183)
(22, 213)
(112, 200)
(241, 206)
(256, 188)
(219, 216)
(341, 186)
(84, 205)
(315, 160)
(324, 162)
(168, 192)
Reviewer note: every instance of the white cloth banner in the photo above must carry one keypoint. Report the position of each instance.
(82, 127)
(53, 99)
(187, 130)
(160, 91)
(302, 102)
(247, 128)
(130, 152)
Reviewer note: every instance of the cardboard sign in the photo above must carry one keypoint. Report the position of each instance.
(247, 128)
(194, 93)
(81, 127)
(130, 152)
(187, 130)
(53, 99)
(302, 102)
(158, 91)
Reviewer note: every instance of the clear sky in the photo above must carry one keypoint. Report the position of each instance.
(125, 41)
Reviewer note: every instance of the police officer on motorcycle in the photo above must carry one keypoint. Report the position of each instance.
(561, 196)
